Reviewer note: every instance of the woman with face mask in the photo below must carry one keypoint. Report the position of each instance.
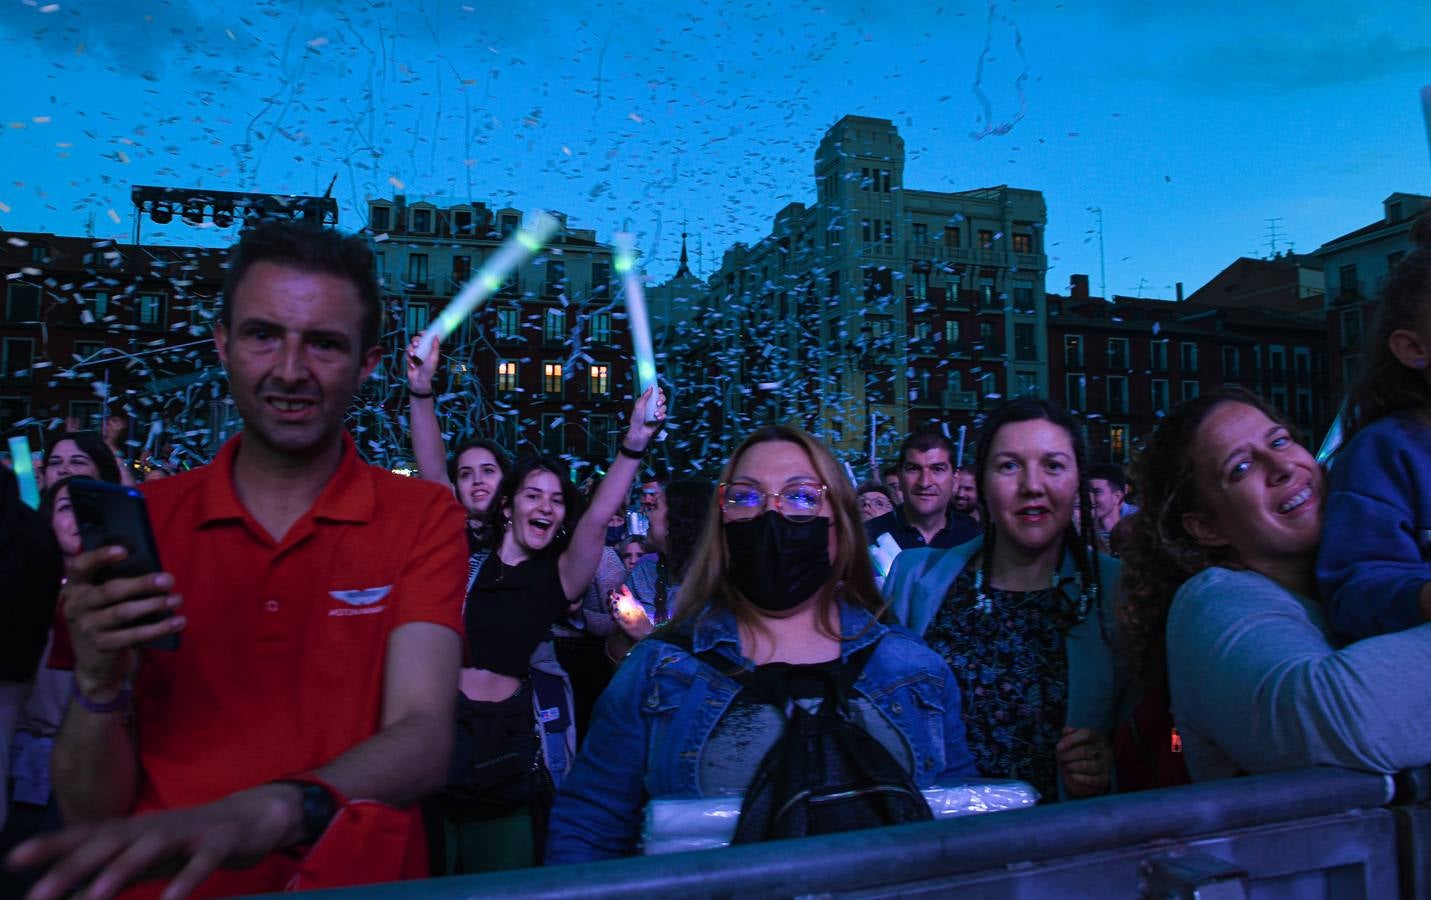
(1024, 614)
(781, 587)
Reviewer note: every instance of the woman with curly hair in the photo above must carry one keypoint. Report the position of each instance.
(1219, 578)
(1023, 614)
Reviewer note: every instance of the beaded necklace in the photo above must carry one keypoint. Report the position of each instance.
(985, 604)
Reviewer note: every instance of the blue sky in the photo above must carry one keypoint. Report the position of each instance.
(1188, 127)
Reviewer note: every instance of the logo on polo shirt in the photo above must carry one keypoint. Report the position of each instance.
(360, 601)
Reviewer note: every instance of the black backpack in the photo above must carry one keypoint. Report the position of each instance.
(825, 773)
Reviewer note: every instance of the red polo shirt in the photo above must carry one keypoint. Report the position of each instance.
(281, 664)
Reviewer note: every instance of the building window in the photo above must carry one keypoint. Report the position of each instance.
(1351, 368)
(1024, 296)
(508, 224)
(378, 219)
(1189, 357)
(1302, 359)
(601, 328)
(1277, 361)
(598, 380)
(422, 221)
(554, 326)
(598, 437)
(461, 271)
(23, 303)
(1025, 346)
(1158, 355)
(1346, 280)
(16, 357)
(951, 332)
(986, 290)
(1118, 354)
(416, 317)
(1076, 398)
(1023, 243)
(99, 305)
(1160, 395)
(921, 233)
(556, 276)
(1279, 399)
(509, 323)
(986, 338)
(1190, 390)
(417, 272)
(1351, 328)
(551, 378)
(951, 236)
(1073, 351)
(506, 376)
(986, 239)
(1231, 362)
(920, 285)
(151, 309)
(1304, 407)
(86, 412)
(1117, 394)
(553, 434)
(1118, 443)
(86, 350)
(989, 385)
(1025, 384)
(600, 278)
(462, 222)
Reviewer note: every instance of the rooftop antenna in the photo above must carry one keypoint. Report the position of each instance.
(1272, 235)
(1102, 268)
(329, 192)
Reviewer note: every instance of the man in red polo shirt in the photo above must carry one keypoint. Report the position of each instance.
(318, 600)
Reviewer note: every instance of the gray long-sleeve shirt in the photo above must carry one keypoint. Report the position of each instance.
(1258, 685)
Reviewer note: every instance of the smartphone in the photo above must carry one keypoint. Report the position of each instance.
(109, 514)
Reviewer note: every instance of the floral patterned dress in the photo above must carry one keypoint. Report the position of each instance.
(1012, 670)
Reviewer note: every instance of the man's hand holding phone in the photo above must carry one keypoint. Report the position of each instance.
(108, 621)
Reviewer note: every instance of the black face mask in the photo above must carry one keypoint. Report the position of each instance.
(776, 563)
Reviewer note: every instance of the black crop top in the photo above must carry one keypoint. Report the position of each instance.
(510, 610)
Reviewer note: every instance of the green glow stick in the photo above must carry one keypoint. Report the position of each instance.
(1333, 440)
(524, 243)
(637, 318)
(25, 471)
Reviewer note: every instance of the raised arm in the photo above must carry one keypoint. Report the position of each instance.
(427, 446)
(578, 562)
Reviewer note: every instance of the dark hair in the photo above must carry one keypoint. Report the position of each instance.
(1109, 473)
(874, 487)
(1158, 553)
(688, 501)
(309, 248)
(492, 447)
(513, 478)
(1084, 542)
(91, 445)
(49, 496)
(1386, 385)
(890, 470)
(924, 441)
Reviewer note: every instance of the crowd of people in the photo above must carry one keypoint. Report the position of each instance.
(490, 666)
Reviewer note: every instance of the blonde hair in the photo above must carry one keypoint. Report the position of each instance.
(707, 581)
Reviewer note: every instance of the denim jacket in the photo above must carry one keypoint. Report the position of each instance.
(655, 718)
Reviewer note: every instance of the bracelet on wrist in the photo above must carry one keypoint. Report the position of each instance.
(119, 704)
(421, 395)
(629, 453)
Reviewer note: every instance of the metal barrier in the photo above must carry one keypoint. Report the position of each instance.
(1310, 833)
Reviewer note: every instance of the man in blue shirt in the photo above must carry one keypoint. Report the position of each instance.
(926, 479)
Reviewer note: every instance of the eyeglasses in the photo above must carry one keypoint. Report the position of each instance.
(798, 502)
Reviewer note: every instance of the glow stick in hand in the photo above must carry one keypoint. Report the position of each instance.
(1333, 440)
(25, 471)
(960, 463)
(637, 318)
(524, 243)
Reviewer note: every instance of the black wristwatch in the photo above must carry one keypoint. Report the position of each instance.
(319, 807)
